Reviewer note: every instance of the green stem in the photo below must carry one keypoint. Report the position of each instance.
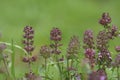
(29, 64)
(118, 77)
(71, 67)
(57, 60)
(6, 67)
(45, 68)
(13, 61)
(68, 68)
(58, 64)
(62, 67)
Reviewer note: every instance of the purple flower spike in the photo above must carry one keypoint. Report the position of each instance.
(88, 39)
(28, 39)
(55, 34)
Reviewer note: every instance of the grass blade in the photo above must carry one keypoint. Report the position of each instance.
(13, 60)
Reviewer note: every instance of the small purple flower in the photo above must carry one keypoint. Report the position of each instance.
(30, 59)
(45, 51)
(30, 76)
(28, 32)
(55, 34)
(97, 75)
(117, 48)
(56, 37)
(26, 60)
(78, 77)
(88, 39)
(102, 77)
(33, 58)
(89, 53)
(102, 74)
(112, 32)
(104, 58)
(105, 20)
(28, 39)
(114, 28)
(73, 47)
(2, 46)
(102, 40)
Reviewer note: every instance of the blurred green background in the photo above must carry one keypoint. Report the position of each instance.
(73, 17)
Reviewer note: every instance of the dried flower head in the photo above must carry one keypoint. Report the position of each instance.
(88, 39)
(55, 34)
(105, 20)
(73, 47)
(45, 51)
(28, 39)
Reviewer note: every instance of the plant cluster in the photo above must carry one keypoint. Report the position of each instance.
(93, 63)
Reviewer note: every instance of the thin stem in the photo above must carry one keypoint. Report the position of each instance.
(6, 67)
(58, 64)
(46, 77)
(62, 66)
(68, 68)
(45, 68)
(29, 64)
(118, 77)
(71, 67)
(13, 61)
